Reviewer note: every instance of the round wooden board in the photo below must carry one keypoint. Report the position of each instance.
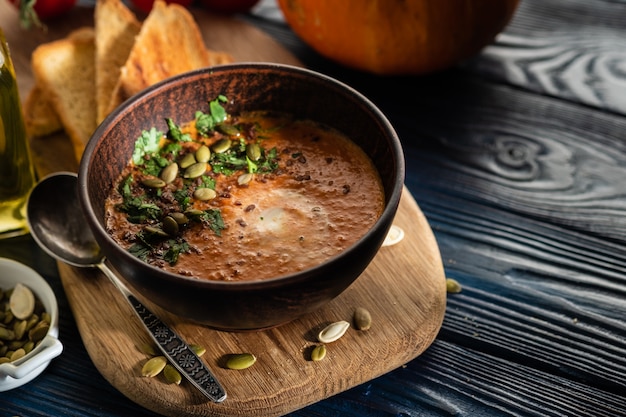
(403, 288)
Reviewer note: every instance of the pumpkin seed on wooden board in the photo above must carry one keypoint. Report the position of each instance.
(158, 364)
(362, 319)
(153, 366)
(240, 361)
(333, 331)
(318, 353)
(172, 375)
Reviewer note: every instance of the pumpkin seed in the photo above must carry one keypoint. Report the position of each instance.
(198, 350)
(8, 317)
(204, 194)
(221, 145)
(187, 161)
(148, 349)
(203, 154)
(33, 320)
(153, 182)
(28, 346)
(6, 334)
(39, 331)
(170, 226)
(243, 179)
(171, 374)
(452, 286)
(362, 319)
(333, 331)
(193, 212)
(169, 173)
(318, 353)
(253, 151)
(155, 231)
(153, 366)
(20, 328)
(228, 129)
(196, 170)
(22, 301)
(240, 361)
(394, 235)
(45, 316)
(19, 353)
(179, 217)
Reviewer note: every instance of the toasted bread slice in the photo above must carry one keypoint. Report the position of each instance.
(40, 117)
(169, 43)
(115, 27)
(65, 70)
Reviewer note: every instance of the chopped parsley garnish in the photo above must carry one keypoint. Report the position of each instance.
(138, 208)
(146, 144)
(213, 218)
(174, 133)
(150, 205)
(206, 122)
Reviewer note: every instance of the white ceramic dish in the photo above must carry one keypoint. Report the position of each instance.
(25, 369)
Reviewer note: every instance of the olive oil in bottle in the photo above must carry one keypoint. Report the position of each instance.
(17, 175)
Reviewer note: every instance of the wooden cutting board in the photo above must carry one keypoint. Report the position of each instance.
(403, 288)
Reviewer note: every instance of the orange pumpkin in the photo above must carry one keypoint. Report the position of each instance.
(397, 37)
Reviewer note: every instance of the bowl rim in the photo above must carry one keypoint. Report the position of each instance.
(266, 283)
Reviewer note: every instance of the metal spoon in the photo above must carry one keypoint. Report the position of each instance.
(58, 226)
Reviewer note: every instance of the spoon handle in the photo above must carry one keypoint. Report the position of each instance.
(172, 345)
(179, 353)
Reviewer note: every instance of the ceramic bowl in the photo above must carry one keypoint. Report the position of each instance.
(23, 370)
(245, 305)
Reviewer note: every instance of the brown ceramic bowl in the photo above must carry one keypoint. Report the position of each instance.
(246, 305)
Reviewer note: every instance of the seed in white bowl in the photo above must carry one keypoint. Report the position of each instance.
(22, 302)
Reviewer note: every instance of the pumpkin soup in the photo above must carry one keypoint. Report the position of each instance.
(246, 197)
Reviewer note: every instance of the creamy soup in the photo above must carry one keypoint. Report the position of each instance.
(250, 197)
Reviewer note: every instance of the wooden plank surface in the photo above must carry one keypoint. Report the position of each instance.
(404, 289)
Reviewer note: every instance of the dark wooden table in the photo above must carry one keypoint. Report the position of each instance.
(518, 160)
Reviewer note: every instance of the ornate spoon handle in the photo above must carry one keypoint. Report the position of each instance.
(172, 345)
(179, 353)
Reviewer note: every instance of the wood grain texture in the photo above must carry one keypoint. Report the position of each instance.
(403, 288)
(572, 49)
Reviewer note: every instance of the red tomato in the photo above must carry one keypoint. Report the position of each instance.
(34, 11)
(146, 5)
(229, 6)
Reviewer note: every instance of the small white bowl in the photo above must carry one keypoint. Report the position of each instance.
(25, 369)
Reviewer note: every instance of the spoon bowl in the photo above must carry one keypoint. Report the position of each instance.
(57, 224)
